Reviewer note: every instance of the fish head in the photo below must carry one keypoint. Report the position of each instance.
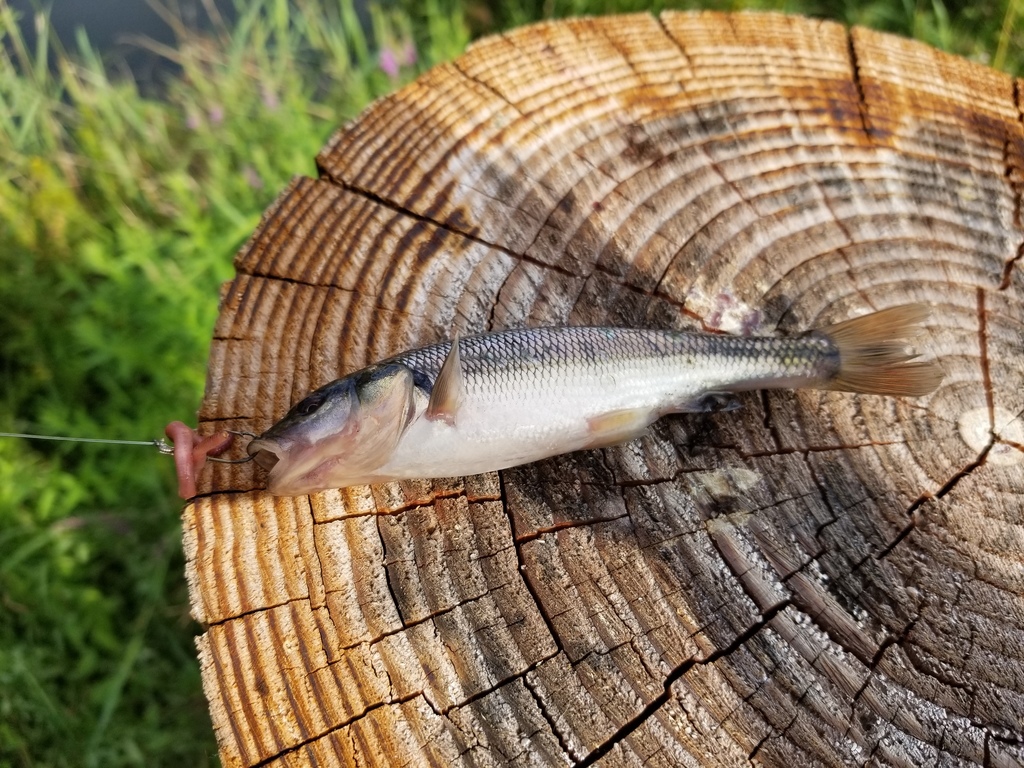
(339, 434)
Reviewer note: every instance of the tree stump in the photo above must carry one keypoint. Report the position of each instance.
(816, 579)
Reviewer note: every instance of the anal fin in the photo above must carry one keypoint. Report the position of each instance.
(617, 427)
(446, 393)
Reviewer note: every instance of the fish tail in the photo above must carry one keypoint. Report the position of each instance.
(875, 356)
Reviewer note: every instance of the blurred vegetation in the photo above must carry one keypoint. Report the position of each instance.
(119, 215)
(983, 31)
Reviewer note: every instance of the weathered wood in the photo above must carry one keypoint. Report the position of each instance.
(817, 579)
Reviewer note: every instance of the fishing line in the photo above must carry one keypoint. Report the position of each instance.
(160, 444)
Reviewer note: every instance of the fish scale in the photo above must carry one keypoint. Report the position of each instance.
(546, 358)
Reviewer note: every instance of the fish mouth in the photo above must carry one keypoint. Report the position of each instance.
(266, 453)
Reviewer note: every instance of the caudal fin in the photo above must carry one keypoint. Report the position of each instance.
(874, 354)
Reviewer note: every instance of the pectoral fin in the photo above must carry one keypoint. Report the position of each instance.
(618, 426)
(448, 388)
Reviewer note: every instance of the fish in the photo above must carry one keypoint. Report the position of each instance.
(496, 400)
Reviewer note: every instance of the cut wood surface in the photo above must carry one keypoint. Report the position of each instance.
(816, 579)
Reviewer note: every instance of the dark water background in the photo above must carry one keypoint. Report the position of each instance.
(111, 24)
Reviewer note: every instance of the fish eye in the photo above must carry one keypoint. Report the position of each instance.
(310, 405)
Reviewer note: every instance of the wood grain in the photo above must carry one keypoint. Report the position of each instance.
(816, 579)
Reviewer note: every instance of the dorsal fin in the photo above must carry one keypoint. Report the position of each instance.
(447, 391)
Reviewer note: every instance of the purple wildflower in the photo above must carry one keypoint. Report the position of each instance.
(216, 114)
(193, 121)
(388, 62)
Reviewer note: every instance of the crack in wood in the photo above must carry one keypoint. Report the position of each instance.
(1013, 444)
(913, 510)
(807, 450)
(921, 665)
(623, 731)
(772, 733)
(563, 742)
(642, 293)
(412, 506)
(660, 18)
(822, 490)
(413, 623)
(387, 574)
(335, 728)
(767, 422)
(1009, 266)
(220, 492)
(888, 642)
(1016, 742)
(858, 84)
(986, 372)
(539, 532)
(459, 67)
(986, 376)
(1015, 178)
(493, 314)
(255, 611)
(448, 227)
(524, 570)
(287, 280)
(469, 700)
(900, 640)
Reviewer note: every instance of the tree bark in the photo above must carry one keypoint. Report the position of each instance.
(816, 579)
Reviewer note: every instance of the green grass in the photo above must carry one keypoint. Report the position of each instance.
(119, 216)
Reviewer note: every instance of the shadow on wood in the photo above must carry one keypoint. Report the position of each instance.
(818, 578)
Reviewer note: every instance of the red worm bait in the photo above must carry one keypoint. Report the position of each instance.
(191, 452)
